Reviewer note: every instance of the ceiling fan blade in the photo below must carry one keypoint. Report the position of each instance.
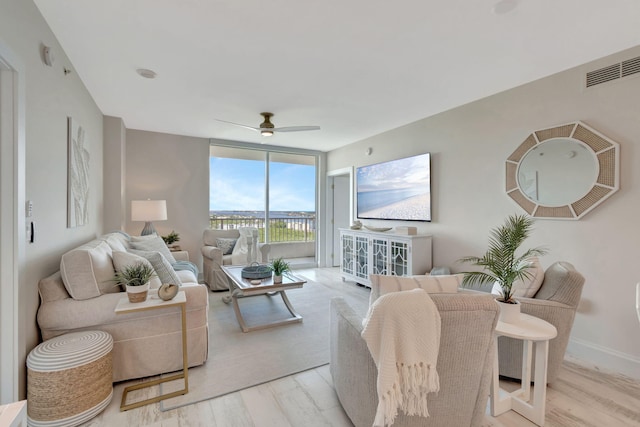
(295, 128)
(241, 125)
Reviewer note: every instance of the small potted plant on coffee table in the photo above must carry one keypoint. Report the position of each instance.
(279, 266)
(135, 278)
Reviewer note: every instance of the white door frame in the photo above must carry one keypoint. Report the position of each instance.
(329, 209)
(12, 220)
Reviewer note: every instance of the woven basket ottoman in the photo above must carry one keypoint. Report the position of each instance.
(69, 379)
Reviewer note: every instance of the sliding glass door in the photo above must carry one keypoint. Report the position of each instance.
(273, 190)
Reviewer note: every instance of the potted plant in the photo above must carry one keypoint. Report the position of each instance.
(135, 278)
(170, 239)
(501, 264)
(279, 266)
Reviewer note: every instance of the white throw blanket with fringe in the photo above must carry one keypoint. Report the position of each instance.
(402, 331)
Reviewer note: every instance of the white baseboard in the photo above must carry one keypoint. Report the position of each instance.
(605, 358)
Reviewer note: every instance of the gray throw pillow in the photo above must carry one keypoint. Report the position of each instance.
(226, 245)
(161, 265)
(155, 244)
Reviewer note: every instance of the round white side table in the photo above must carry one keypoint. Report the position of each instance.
(529, 329)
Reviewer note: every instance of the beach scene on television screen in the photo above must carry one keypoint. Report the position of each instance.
(399, 189)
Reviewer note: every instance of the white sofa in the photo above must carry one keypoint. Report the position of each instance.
(82, 296)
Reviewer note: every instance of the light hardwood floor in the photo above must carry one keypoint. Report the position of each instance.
(582, 397)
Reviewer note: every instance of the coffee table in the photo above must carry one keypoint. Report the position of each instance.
(240, 287)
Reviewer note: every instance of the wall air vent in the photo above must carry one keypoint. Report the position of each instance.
(613, 72)
(631, 66)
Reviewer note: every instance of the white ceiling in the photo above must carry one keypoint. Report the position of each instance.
(354, 67)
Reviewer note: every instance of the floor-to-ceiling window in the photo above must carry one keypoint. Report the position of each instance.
(271, 189)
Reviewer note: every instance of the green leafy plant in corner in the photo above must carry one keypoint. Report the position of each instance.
(135, 275)
(500, 263)
(279, 266)
(171, 238)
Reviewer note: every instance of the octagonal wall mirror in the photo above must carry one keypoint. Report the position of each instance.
(563, 172)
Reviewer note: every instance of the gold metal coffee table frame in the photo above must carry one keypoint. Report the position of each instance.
(240, 287)
(152, 303)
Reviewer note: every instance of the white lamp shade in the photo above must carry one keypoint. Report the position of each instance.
(148, 210)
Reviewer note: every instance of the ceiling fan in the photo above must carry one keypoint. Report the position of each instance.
(267, 128)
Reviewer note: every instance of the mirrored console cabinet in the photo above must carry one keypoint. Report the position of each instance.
(367, 252)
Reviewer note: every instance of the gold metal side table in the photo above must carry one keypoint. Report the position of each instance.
(152, 303)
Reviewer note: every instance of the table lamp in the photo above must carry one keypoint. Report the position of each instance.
(147, 211)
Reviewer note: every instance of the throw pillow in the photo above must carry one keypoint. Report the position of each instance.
(87, 271)
(528, 287)
(161, 265)
(226, 245)
(152, 243)
(445, 284)
(122, 260)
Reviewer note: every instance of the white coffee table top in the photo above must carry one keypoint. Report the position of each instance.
(528, 328)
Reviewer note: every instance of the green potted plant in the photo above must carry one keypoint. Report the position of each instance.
(501, 264)
(278, 266)
(170, 240)
(135, 278)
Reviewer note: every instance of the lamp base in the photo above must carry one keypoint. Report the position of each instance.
(148, 229)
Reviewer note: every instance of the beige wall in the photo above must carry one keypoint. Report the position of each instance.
(176, 169)
(470, 145)
(51, 96)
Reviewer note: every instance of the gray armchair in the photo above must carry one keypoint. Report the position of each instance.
(465, 363)
(556, 302)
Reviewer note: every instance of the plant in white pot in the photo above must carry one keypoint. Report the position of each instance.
(279, 266)
(135, 278)
(501, 265)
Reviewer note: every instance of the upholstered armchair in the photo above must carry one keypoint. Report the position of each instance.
(220, 247)
(465, 362)
(556, 302)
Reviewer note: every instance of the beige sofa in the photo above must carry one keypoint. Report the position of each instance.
(145, 343)
(465, 363)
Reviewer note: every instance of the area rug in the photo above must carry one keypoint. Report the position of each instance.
(240, 360)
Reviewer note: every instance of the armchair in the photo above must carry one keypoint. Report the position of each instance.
(465, 363)
(556, 302)
(213, 257)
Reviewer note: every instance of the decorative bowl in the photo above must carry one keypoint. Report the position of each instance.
(256, 272)
(368, 227)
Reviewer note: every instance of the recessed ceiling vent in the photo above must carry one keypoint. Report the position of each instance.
(613, 72)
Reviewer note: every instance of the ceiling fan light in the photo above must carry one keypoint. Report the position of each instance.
(266, 132)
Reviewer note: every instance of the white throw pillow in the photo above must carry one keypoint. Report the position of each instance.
(152, 243)
(161, 265)
(442, 284)
(87, 271)
(122, 260)
(529, 286)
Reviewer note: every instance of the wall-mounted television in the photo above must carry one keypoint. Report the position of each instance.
(396, 190)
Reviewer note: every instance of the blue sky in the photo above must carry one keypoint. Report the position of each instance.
(411, 172)
(240, 185)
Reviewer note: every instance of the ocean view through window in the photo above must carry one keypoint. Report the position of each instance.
(272, 191)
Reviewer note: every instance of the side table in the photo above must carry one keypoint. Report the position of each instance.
(153, 302)
(529, 329)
